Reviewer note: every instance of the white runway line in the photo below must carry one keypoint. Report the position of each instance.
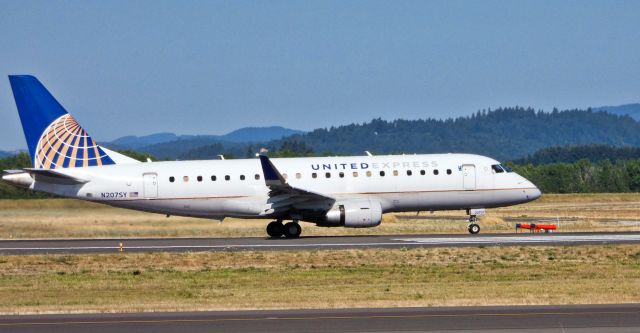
(462, 240)
(165, 247)
(523, 239)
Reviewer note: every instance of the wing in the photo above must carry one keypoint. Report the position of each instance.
(284, 198)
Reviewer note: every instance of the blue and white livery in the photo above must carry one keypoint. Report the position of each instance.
(352, 191)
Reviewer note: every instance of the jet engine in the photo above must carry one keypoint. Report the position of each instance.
(353, 214)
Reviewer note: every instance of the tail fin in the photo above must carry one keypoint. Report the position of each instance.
(54, 138)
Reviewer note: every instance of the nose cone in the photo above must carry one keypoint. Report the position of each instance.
(533, 193)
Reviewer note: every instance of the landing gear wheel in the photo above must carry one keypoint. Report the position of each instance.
(292, 230)
(275, 229)
(474, 228)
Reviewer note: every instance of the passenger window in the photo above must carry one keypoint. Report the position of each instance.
(298, 175)
(435, 172)
(341, 174)
(381, 173)
(328, 174)
(172, 179)
(257, 176)
(422, 172)
(355, 174)
(314, 175)
(395, 172)
(213, 178)
(199, 178)
(227, 177)
(185, 178)
(448, 171)
(241, 177)
(368, 173)
(409, 173)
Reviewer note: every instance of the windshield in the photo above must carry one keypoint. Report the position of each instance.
(499, 168)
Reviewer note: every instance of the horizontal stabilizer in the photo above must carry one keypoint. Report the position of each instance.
(54, 177)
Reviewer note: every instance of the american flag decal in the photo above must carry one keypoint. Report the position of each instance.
(133, 194)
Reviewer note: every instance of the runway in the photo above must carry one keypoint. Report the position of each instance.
(309, 243)
(580, 318)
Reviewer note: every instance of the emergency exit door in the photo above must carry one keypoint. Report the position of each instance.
(150, 185)
(469, 177)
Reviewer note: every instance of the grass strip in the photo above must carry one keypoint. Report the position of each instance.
(320, 279)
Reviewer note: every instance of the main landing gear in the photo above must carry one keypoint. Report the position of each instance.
(473, 227)
(276, 229)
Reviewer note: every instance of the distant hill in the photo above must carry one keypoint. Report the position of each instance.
(571, 154)
(632, 110)
(505, 133)
(258, 134)
(10, 153)
(182, 148)
(135, 142)
(242, 135)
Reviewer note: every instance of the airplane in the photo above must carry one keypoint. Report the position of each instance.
(345, 191)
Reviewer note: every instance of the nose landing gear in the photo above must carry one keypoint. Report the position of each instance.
(473, 227)
(276, 229)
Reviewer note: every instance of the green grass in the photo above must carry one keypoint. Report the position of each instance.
(320, 279)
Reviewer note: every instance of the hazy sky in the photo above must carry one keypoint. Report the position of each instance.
(189, 67)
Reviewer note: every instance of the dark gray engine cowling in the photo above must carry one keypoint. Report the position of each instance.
(363, 213)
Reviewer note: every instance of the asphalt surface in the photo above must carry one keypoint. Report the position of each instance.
(582, 318)
(307, 243)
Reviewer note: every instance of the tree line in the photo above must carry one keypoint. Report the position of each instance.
(583, 176)
(503, 133)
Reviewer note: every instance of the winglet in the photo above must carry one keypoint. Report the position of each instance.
(271, 175)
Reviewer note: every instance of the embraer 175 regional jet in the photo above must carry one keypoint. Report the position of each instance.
(350, 191)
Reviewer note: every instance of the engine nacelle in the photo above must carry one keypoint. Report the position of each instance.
(354, 214)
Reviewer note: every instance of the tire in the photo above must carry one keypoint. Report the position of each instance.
(292, 230)
(275, 229)
(474, 228)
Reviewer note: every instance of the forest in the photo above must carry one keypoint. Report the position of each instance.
(504, 134)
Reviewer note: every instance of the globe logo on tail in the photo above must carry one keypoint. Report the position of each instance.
(65, 144)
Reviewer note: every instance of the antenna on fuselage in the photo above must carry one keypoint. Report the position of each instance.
(368, 153)
(221, 157)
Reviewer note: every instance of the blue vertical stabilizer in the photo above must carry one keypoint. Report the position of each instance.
(54, 137)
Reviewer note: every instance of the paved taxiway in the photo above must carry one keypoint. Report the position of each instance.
(341, 242)
(580, 318)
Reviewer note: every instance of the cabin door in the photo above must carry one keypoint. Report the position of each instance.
(469, 177)
(150, 185)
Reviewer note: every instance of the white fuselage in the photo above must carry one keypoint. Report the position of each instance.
(220, 188)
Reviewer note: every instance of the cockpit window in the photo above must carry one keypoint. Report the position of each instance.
(499, 168)
(506, 168)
